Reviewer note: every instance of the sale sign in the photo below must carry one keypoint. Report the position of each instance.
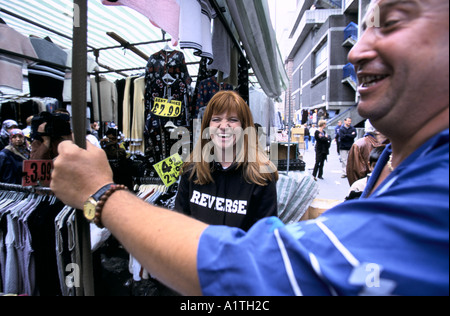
(169, 169)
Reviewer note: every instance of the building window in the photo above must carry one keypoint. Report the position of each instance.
(321, 59)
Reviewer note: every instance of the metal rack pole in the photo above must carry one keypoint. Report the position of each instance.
(79, 95)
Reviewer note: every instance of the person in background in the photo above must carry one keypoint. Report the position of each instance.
(358, 166)
(12, 158)
(27, 130)
(337, 138)
(307, 136)
(49, 134)
(323, 142)
(7, 127)
(347, 135)
(394, 241)
(90, 137)
(94, 130)
(117, 157)
(312, 132)
(359, 186)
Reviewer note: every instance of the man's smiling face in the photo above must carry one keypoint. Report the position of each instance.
(402, 60)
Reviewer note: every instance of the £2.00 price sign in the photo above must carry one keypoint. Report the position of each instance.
(37, 172)
(164, 108)
(169, 169)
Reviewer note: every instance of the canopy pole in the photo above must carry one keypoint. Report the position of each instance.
(79, 97)
(79, 72)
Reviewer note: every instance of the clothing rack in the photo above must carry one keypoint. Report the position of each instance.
(147, 180)
(14, 15)
(19, 188)
(46, 63)
(80, 51)
(222, 18)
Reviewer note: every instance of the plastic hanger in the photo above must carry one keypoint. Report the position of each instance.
(168, 79)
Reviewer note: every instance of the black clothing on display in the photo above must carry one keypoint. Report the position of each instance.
(166, 77)
(46, 81)
(229, 200)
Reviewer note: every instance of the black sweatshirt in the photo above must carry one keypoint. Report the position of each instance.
(229, 201)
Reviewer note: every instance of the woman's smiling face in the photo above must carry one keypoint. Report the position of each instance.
(225, 129)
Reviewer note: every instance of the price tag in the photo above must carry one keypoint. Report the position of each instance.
(164, 108)
(169, 169)
(37, 172)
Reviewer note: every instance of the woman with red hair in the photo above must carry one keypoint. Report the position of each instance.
(229, 180)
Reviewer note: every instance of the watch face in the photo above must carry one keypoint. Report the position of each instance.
(89, 209)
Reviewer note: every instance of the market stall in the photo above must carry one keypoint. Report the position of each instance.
(142, 84)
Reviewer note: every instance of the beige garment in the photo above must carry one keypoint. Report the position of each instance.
(127, 111)
(138, 122)
(11, 74)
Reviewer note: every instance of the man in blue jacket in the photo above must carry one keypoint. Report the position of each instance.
(393, 241)
(347, 135)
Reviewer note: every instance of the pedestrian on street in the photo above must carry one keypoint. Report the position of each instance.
(323, 142)
(337, 138)
(347, 134)
(312, 131)
(307, 136)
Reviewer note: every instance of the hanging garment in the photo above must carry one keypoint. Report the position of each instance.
(203, 73)
(120, 87)
(261, 46)
(67, 92)
(208, 88)
(195, 27)
(108, 100)
(166, 77)
(222, 48)
(38, 243)
(243, 86)
(158, 195)
(20, 109)
(163, 14)
(127, 108)
(11, 67)
(28, 259)
(45, 80)
(137, 146)
(263, 110)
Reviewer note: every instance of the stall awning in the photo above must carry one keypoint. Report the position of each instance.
(255, 30)
(253, 27)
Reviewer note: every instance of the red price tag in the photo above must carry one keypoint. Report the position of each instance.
(37, 173)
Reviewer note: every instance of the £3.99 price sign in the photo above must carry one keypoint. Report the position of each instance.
(169, 169)
(37, 172)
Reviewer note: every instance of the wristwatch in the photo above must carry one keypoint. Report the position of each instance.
(89, 208)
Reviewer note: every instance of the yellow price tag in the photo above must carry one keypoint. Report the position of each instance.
(169, 169)
(164, 108)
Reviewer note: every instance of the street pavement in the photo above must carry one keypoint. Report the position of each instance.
(333, 187)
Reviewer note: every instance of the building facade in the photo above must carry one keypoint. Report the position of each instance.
(318, 42)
